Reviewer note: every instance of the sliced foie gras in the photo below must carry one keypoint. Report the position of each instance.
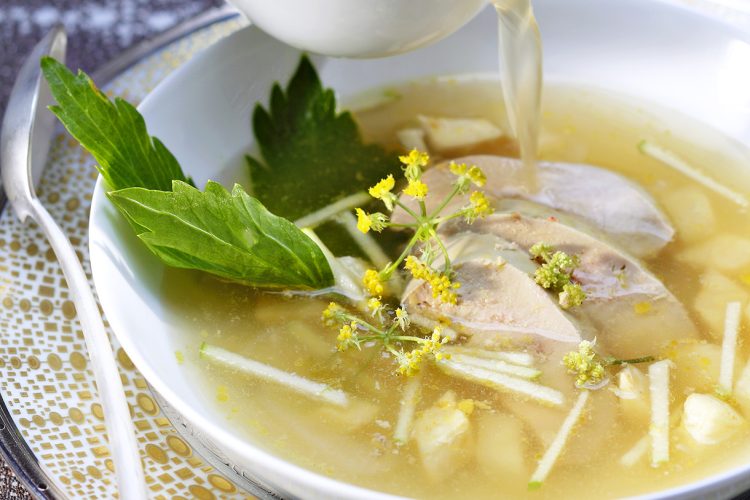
(499, 300)
(605, 199)
(628, 305)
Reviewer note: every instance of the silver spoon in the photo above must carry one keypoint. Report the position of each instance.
(24, 143)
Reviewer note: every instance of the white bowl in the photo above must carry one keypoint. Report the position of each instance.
(654, 50)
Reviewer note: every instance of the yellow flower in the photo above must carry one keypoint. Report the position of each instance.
(402, 318)
(373, 304)
(416, 158)
(458, 168)
(382, 191)
(373, 283)
(331, 313)
(382, 188)
(363, 221)
(585, 364)
(572, 295)
(411, 362)
(347, 336)
(476, 176)
(413, 163)
(441, 285)
(467, 174)
(480, 206)
(416, 189)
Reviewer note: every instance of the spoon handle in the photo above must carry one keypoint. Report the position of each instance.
(122, 442)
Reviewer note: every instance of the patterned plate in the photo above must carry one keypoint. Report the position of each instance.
(52, 433)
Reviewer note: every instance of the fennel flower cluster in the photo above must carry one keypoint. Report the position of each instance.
(555, 273)
(424, 224)
(441, 285)
(410, 363)
(586, 365)
(390, 331)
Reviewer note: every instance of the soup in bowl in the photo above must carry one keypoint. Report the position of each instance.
(439, 327)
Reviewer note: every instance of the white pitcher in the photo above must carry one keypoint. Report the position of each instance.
(359, 28)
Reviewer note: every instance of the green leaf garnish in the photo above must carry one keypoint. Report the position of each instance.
(230, 235)
(227, 234)
(113, 132)
(313, 156)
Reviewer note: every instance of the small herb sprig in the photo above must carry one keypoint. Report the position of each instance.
(388, 328)
(424, 225)
(390, 325)
(590, 368)
(555, 273)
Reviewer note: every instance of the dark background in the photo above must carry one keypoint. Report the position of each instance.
(98, 30)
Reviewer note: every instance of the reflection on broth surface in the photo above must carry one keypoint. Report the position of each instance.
(496, 438)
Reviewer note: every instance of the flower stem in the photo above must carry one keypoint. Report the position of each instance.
(633, 361)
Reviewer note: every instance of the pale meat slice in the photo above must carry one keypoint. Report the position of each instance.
(631, 309)
(499, 301)
(604, 199)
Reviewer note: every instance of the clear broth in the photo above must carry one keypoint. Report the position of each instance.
(579, 125)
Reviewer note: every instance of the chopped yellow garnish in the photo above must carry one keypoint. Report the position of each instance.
(222, 394)
(373, 283)
(179, 357)
(642, 307)
(416, 189)
(745, 278)
(466, 406)
(441, 285)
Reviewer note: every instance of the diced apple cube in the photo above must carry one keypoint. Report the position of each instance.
(412, 138)
(443, 438)
(726, 252)
(710, 420)
(633, 394)
(500, 447)
(444, 134)
(710, 303)
(691, 213)
(698, 364)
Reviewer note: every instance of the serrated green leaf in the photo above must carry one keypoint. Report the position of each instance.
(113, 132)
(229, 235)
(312, 154)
